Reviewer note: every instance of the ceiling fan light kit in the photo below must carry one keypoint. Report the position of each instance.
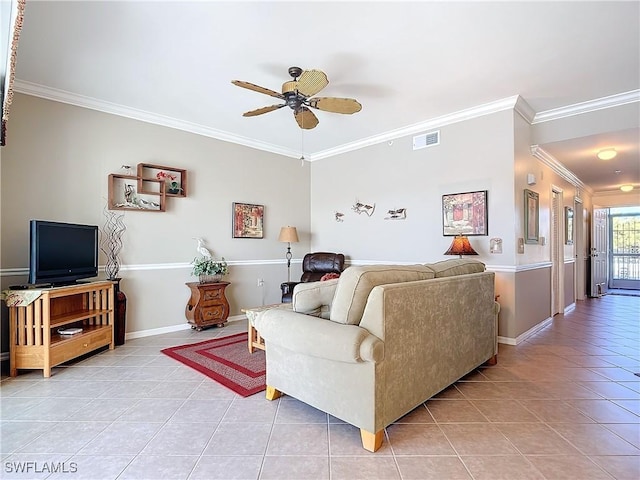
(298, 96)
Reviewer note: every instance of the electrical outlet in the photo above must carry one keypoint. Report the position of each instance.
(260, 282)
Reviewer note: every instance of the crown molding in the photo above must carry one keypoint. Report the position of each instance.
(550, 161)
(63, 96)
(455, 117)
(586, 107)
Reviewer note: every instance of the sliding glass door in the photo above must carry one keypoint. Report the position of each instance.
(624, 255)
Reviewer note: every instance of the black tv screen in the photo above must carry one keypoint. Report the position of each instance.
(61, 253)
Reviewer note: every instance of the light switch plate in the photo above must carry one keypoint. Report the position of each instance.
(521, 245)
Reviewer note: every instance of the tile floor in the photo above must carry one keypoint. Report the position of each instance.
(563, 405)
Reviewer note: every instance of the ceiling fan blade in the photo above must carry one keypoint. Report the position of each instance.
(311, 82)
(260, 111)
(257, 88)
(335, 105)
(306, 118)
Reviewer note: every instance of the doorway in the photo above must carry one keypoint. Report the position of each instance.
(624, 254)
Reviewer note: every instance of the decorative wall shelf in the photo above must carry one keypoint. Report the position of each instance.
(173, 179)
(123, 194)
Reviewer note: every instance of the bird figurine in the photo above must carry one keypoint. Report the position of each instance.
(202, 250)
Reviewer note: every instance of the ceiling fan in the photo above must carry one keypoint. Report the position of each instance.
(298, 94)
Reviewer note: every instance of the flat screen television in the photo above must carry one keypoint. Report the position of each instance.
(62, 253)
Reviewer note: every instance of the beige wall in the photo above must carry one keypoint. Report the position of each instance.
(63, 176)
(472, 155)
(55, 167)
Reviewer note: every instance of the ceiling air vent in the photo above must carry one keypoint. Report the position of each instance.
(426, 140)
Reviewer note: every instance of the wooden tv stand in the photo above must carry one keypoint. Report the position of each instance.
(34, 339)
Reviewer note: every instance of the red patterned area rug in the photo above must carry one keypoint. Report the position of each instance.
(227, 361)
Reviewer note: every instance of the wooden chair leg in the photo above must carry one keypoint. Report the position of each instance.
(272, 393)
(371, 441)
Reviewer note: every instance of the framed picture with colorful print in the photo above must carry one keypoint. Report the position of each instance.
(248, 220)
(465, 214)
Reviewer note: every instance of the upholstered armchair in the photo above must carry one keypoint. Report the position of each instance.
(314, 266)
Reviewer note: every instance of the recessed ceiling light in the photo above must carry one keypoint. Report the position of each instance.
(626, 188)
(607, 154)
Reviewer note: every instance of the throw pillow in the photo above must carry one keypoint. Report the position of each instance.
(329, 276)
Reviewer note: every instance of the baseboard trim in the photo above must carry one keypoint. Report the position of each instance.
(522, 337)
(173, 328)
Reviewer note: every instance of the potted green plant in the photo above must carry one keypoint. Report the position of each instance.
(209, 270)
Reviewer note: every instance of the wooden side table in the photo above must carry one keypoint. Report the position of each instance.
(208, 305)
(255, 340)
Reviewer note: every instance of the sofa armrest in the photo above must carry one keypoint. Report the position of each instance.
(318, 337)
(314, 298)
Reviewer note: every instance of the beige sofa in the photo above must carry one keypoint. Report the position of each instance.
(374, 344)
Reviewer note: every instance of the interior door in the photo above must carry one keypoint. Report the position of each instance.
(580, 253)
(557, 255)
(599, 248)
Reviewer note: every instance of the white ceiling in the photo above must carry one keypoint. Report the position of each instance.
(407, 63)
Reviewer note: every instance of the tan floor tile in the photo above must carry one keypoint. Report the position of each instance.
(567, 390)
(591, 362)
(604, 411)
(628, 431)
(533, 373)
(432, 468)
(454, 411)
(556, 411)
(616, 374)
(224, 468)
(501, 374)
(510, 467)
(594, 439)
(363, 468)
(536, 439)
(477, 439)
(575, 374)
(621, 467)
(611, 390)
(449, 392)
(309, 468)
(419, 414)
(481, 390)
(523, 390)
(410, 439)
(568, 467)
(298, 439)
(505, 411)
(635, 385)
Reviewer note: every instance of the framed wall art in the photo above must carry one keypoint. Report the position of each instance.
(531, 216)
(465, 214)
(568, 225)
(248, 220)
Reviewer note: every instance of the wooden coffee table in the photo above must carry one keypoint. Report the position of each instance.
(254, 338)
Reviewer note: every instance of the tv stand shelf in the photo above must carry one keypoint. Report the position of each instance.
(34, 339)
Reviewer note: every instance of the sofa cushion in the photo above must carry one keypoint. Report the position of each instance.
(314, 298)
(456, 266)
(356, 282)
